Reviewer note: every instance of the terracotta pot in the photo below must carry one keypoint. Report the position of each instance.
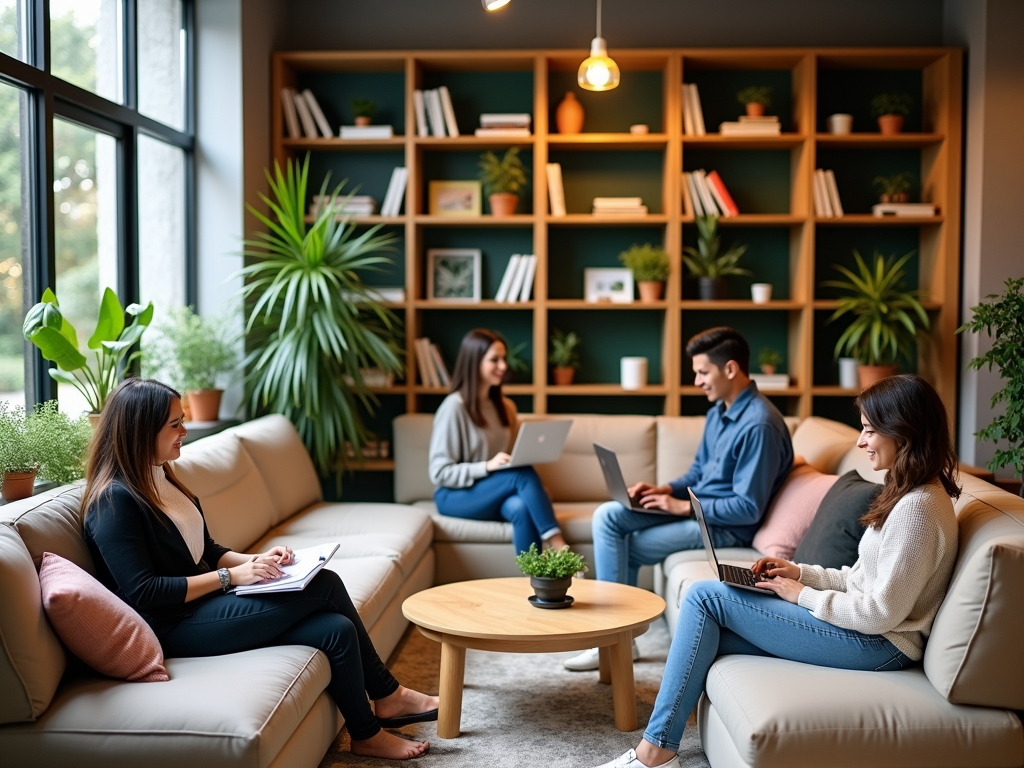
(650, 290)
(711, 288)
(755, 110)
(562, 376)
(94, 419)
(186, 407)
(550, 590)
(205, 403)
(362, 121)
(869, 374)
(768, 370)
(569, 114)
(503, 203)
(890, 124)
(18, 485)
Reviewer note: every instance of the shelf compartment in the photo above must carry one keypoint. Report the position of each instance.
(572, 251)
(366, 173)
(464, 165)
(621, 173)
(778, 330)
(878, 141)
(772, 256)
(605, 338)
(850, 89)
(496, 247)
(480, 86)
(758, 180)
(640, 97)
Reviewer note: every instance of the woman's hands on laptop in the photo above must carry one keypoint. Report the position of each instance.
(499, 459)
(658, 497)
(780, 576)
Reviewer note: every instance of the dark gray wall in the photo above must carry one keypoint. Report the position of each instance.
(463, 24)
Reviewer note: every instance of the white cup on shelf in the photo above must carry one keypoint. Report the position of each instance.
(848, 373)
(633, 372)
(761, 293)
(840, 123)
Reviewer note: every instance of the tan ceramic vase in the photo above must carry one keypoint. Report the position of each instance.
(890, 124)
(204, 404)
(569, 114)
(503, 203)
(18, 485)
(650, 290)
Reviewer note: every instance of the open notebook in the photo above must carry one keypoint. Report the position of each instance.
(306, 564)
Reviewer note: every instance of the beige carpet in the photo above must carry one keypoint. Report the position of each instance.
(526, 710)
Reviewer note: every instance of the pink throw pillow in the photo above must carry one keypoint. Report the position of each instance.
(97, 626)
(792, 510)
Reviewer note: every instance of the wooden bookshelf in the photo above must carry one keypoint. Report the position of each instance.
(770, 177)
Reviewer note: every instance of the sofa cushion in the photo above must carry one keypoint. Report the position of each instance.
(823, 443)
(678, 438)
(237, 709)
(97, 626)
(52, 522)
(235, 500)
(791, 511)
(411, 448)
(835, 532)
(846, 718)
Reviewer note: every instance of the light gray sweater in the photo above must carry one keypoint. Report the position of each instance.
(900, 577)
(459, 449)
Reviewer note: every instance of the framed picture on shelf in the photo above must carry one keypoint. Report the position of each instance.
(455, 198)
(453, 274)
(608, 285)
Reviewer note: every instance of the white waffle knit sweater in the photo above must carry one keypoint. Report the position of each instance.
(900, 577)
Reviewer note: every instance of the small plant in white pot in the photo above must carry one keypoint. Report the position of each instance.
(650, 266)
(551, 572)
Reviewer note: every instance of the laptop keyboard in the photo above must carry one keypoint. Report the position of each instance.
(738, 575)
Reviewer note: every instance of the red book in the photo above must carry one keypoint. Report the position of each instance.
(722, 195)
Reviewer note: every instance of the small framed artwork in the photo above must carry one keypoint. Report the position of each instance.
(453, 274)
(455, 198)
(608, 285)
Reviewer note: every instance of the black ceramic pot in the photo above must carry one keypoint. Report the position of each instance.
(711, 288)
(550, 590)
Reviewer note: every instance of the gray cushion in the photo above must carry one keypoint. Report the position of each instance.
(835, 532)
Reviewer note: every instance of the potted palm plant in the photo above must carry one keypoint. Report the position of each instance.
(649, 265)
(708, 263)
(45, 443)
(110, 343)
(312, 321)
(756, 98)
(886, 318)
(503, 180)
(891, 109)
(564, 357)
(550, 572)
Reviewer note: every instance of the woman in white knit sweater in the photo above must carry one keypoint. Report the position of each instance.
(473, 432)
(875, 615)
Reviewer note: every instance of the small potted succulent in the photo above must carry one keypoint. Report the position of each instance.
(895, 188)
(891, 109)
(650, 266)
(503, 179)
(550, 573)
(756, 98)
(46, 443)
(564, 356)
(708, 264)
(769, 359)
(363, 111)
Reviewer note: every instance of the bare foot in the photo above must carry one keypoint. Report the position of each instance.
(404, 701)
(389, 747)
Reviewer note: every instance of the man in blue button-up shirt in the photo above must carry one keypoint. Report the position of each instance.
(743, 458)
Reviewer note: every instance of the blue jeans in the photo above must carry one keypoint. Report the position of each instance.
(321, 616)
(717, 620)
(625, 540)
(515, 495)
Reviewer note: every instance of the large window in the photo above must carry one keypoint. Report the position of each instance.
(96, 153)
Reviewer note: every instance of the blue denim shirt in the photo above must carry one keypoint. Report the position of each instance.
(744, 455)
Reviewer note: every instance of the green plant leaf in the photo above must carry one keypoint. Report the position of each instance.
(55, 346)
(110, 322)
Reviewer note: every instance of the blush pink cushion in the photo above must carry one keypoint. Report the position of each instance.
(792, 510)
(97, 626)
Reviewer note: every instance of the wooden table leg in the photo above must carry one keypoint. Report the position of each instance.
(623, 687)
(604, 660)
(453, 671)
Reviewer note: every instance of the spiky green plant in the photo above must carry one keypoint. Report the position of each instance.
(563, 349)
(504, 175)
(706, 260)
(312, 321)
(886, 318)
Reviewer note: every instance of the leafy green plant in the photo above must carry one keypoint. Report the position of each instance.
(46, 439)
(886, 318)
(564, 352)
(550, 563)
(892, 104)
(897, 184)
(312, 320)
(707, 260)
(755, 94)
(647, 262)
(1003, 320)
(504, 175)
(57, 339)
(189, 351)
(768, 356)
(514, 359)
(363, 108)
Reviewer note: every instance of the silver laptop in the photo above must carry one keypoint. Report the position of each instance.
(539, 442)
(733, 575)
(617, 488)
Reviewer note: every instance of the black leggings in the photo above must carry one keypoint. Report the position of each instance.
(321, 616)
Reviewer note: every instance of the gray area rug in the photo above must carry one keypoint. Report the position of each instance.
(526, 710)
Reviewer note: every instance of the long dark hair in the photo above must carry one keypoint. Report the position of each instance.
(908, 409)
(124, 445)
(466, 376)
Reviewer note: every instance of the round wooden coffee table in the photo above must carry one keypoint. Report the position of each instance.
(494, 615)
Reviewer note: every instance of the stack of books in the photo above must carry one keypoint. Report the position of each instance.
(827, 204)
(302, 109)
(704, 194)
(434, 113)
(768, 125)
(367, 132)
(517, 282)
(504, 124)
(619, 206)
(433, 371)
(556, 193)
(372, 449)
(771, 381)
(693, 115)
(374, 378)
(352, 205)
(903, 209)
(396, 192)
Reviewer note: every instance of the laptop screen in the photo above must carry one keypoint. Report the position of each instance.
(698, 512)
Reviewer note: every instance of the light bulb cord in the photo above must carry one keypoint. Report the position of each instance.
(598, 18)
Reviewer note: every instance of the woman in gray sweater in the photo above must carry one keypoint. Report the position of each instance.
(474, 429)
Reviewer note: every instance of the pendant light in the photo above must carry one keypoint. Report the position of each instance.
(493, 5)
(598, 72)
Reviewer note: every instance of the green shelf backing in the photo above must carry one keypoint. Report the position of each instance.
(605, 337)
(573, 250)
(767, 257)
(641, 405)
(839, 409)
(363, 173)
(464, 166)
(835, 245)
(850, 91)
(857, 169)
(335, 91)
(586, 175)
(718, 89)
(474, 93)
(446, 327)
(638, 99)
(757, 179)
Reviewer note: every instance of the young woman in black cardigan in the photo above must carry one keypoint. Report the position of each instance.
(152, 548)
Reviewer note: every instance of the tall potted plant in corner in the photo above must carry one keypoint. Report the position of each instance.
(312, 321)
(503, 180)
(1003, 320)
(886, 317)
(564, 357)
(708, 264)
(649, 265)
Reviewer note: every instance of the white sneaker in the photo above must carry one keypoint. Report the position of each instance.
(589, 660)
(629, 760)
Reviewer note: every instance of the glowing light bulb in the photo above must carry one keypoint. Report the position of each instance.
(598, 72)
(493, 5)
